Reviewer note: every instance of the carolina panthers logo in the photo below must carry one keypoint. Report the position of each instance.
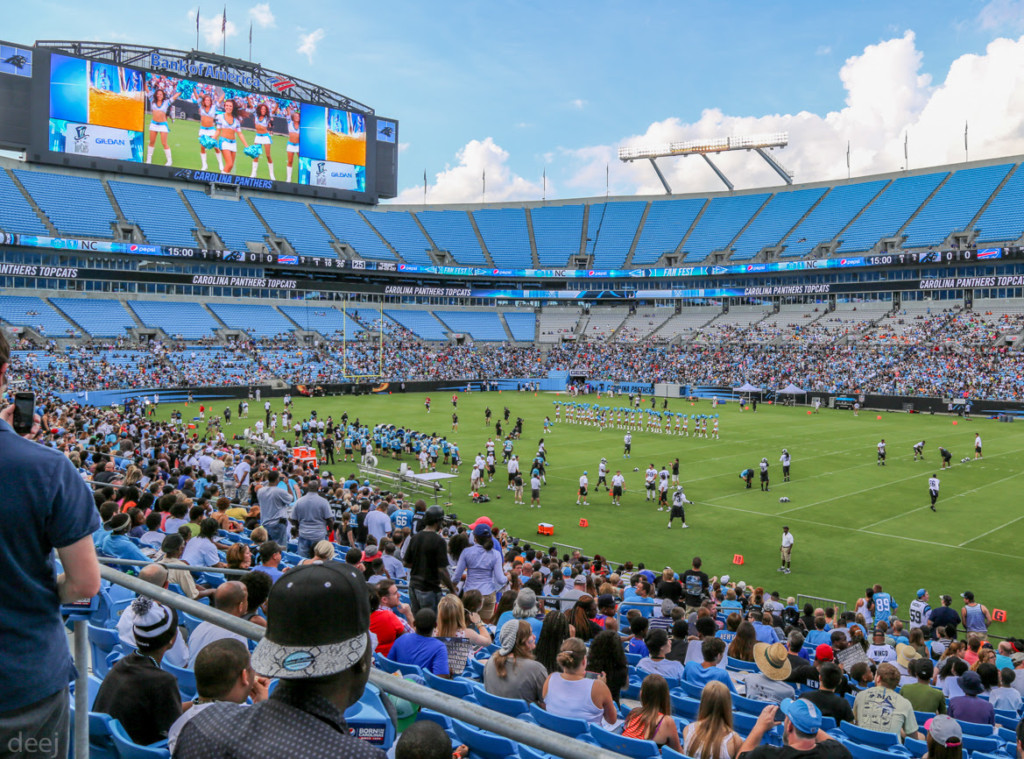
(387, 131)
(183, 174)
(18, 61)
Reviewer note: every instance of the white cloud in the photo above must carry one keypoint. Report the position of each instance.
(886, 96)
(579, 104)
(261, 15)
(823, 50)
(1002, 16)
(463, 183)
(308, 43)
(403, 146)
(210, 28)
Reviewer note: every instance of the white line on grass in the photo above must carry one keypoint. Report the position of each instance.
(870, 532)
(994, 529)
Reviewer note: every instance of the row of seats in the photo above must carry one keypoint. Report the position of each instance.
(856, 215)
(191, 321)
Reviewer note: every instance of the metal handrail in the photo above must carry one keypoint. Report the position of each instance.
(508, 727)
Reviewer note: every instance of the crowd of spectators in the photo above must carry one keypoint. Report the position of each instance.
(958, 368)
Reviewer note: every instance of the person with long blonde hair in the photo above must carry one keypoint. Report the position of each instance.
(451, 622)
(652, 720)
(711, 735)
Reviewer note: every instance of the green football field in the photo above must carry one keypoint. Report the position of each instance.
(855, 523)
(183, 139)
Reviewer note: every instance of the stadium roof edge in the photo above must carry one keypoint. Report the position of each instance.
(706, 195)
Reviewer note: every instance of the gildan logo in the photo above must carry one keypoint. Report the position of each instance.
(110, 141)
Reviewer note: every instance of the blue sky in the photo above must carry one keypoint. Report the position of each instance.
(520, 88)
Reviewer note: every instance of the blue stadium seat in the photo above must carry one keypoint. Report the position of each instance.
(748, 705)
(189, 320)
(722, 220)
(400, 229)
(574, 728)
(255, 319)
(557, 233)
(452, 231)
(775, 219)
(686, 707)
(458, 687)
(76, 205)
(512, 707)
(35, 313)
(101, 644)
(615, 231)
(349, 226)
(158, 212)
(521, 324)
(233, 220)
(862, 751)
(834, 212)
(669, 753)
(420, 323)
(16, 215)
(989, 744)
(867, 737)
(295, 222)
(328, 321)
(506, 236)
(1003, 220)
(128, 749)
(666, 225)
(954, 205)
(888, 212)
(100, 318)
(186, 679)
(484, 326)
(483, 744)
(631, 747)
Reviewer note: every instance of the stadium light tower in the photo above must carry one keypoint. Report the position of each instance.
(758, 143)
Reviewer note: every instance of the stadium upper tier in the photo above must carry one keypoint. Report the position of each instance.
(914, 210)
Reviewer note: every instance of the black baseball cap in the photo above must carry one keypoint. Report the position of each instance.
(318, 623)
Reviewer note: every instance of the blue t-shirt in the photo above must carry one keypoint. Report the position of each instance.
(535, 623)
(428, 653)
(884, 604)
(274, 572)
(46, 505)
(401, 518)
(637, 646)
(695, 674)
(121, 547)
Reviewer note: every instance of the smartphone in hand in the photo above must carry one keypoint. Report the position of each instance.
(24, 412)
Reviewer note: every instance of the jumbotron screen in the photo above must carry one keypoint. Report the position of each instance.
(102, 110)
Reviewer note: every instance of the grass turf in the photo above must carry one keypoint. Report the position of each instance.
(855, 523)
(183, 140)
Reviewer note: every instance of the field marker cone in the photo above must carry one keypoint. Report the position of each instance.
(878, 417)
(737, 558)
(998, 615)
(808, 413)
(584, 523)
(954, 422)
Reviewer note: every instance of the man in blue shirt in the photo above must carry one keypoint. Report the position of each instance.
(764, 633)
(46, 505)
(884, 604)
(270, 560)
(700, 674)
(422, 649)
